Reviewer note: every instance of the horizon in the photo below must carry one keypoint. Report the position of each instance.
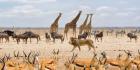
(63, 27)
(42, 13)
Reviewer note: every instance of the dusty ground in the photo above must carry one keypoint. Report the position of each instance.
(109, 44)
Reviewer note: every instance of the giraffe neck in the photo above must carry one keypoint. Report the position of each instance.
(57, 19)
(85, 20)
(90, 21)
(74, 21)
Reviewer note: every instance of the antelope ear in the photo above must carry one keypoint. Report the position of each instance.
(105, 61)
(24, 54)
(18, 54)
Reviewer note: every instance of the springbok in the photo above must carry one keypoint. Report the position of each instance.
(123, 64)
(86, 64)
(136, 60)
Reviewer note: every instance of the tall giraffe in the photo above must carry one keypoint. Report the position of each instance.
(72, 25)
(82, 27)
(54, 26)
(88, 27)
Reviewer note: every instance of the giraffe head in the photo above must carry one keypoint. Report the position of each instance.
(60, 13)
(88, 15)
(91, 14)
(80, 11)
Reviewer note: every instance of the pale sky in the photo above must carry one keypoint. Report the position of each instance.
(41, 13)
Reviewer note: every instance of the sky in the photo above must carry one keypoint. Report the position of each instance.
(42, 13)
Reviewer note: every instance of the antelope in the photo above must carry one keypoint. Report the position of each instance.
(50, 63)
(101, 62)
(136, 60)
(69, 64)
(86, 64)
(3, 61)
(123, 64)
(55, 54)
(7, 63)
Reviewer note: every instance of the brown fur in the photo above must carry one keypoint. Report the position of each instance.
(77, 43)
(54, 26)
(82, 26)
(88, 27)
(72, 25)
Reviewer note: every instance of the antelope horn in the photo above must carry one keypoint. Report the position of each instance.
(120, 55)
(3, 59)
(73, 57)
(138, 51)
(15, 54)
(18, 54)
(29, 58)
(58, 51)
(100, 60)
(125, 51)
(34, 58)
(53, 51)
(24, 54)
(8, 57)
(94, 53)
(36, 54)
(68, 60)
(105, 60)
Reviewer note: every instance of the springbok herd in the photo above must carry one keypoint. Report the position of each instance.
(91, 53)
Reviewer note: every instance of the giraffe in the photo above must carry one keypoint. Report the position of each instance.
(82, 27)
(88, 27)
(72, 25)
(54, 26)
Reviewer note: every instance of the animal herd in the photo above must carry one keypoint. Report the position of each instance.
(33, 61)
(100, 61)
(118, 33)
(81, 39)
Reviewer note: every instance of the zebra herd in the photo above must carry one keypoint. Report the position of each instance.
(133, 34)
